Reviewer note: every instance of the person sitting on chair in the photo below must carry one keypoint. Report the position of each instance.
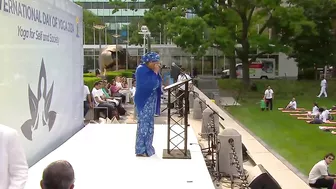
(107, 96)
(292, 105)
(319, 176)
(114, 90)
(97, 95)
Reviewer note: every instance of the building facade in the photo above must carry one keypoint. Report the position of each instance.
(117, 23)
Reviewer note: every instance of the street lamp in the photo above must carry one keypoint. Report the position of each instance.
(99, 28)
(127, 42)
(145, 32)
(116, 36)
(192, 65)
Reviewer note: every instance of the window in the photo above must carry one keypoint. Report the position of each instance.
(239, 67)
(115, 19)
(120, 19)
(267, 66)
(106, 5)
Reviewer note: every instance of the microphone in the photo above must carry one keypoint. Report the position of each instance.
(176, 66)
(181, 70)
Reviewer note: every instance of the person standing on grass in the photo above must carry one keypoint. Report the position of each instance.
(262, 104)
(268, 96)
(319, 176)
(323, 88)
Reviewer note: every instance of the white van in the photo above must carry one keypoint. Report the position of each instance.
(260, 69)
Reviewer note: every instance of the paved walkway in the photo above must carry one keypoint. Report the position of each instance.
(280, 172)
(228, 101)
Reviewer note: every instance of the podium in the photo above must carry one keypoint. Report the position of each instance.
(174, 143)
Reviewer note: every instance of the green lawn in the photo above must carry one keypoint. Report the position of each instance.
(299, 143)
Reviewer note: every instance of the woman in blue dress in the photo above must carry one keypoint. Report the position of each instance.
(148, 94)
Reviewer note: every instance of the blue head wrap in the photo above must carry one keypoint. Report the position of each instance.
(150, 57)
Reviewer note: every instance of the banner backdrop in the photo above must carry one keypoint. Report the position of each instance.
(41, 84)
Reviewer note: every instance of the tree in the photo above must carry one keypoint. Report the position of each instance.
(157, 19)
(89, 20)
(315, 49)
(231, 26)
(154, 22)
(133, 28)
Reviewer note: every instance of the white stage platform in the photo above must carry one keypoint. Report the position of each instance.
(103, 157)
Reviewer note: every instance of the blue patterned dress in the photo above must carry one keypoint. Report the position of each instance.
(145, 129)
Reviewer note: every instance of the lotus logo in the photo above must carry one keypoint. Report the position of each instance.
(39, 107)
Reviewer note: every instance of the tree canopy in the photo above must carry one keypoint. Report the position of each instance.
(245, 29)
(133, 28)
(317, 49)
(238, 28)
(89, 20)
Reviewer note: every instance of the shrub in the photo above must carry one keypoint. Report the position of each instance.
(90, 78)
(283, 89)
(307, 74)
(127, 74)
(89, 75)
(89, 81)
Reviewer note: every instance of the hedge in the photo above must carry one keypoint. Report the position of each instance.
(90, 78)
(284, 89)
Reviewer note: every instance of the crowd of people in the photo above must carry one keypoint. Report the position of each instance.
(107, 98)
(266, 102)
(318, 115)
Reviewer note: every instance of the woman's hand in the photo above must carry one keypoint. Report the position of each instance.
(156, 68)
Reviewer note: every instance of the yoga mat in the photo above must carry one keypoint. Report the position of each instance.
(327, 127)
(330, 123)
(305, 114)
(298, 114)
(304, 118)
(293, 110)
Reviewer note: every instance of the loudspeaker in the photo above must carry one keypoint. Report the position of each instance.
(259, 178)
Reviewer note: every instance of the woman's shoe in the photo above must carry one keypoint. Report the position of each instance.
(141, 155)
